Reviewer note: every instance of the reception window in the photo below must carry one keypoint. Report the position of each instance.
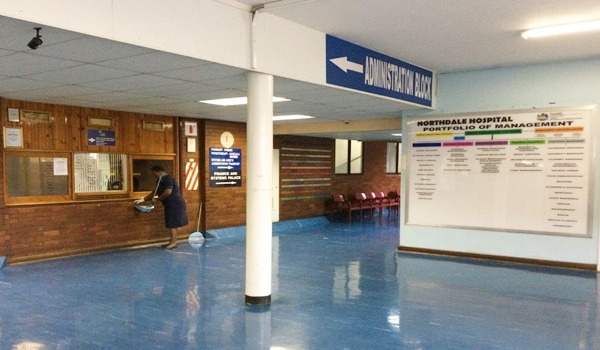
(100, 172)
(36, 177)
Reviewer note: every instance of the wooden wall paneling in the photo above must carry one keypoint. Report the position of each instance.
(129, 138)
(305, 175)
(3, 122)
(30, 232)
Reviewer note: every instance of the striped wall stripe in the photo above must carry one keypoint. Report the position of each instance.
(307, 179)
(305, 167)
(304, 156)
(306, 149)
(305, 197)
(307, 161)
(309, 185)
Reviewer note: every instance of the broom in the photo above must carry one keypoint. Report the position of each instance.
(197, 238)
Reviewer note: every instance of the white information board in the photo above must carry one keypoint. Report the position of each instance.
(521, 172)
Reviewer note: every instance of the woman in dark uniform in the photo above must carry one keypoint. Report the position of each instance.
(170, 196)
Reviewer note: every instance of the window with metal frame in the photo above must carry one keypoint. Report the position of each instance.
(348, 156)
(394, 158)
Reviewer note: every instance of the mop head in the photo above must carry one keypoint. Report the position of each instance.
(196, 239)
(144, 208)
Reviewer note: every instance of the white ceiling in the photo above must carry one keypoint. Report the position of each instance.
(444, 36)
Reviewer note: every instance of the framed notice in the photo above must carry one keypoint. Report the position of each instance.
(13, 137)
(13, 115)
(526, 172)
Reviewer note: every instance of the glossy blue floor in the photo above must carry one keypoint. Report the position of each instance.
(335, 286)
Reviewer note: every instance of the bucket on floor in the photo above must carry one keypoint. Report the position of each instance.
(144, 208)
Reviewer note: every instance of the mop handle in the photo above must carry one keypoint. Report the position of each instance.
(156, 189)
(199, 216)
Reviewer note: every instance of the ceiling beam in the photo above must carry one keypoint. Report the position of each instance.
(338, 126)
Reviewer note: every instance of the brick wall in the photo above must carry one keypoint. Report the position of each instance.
(38, 232)
(301, 205)
(374, 175)
(224, 206)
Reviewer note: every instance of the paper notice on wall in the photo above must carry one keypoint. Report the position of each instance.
(61, 166)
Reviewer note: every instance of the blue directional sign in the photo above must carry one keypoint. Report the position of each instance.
(361, 69)
(101, 137)
(225, 167)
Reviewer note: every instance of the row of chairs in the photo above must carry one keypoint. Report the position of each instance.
(365, 202)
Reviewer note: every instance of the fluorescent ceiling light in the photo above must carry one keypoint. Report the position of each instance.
(561, 29)
(236, 101)
(291, 117)
(396, 134)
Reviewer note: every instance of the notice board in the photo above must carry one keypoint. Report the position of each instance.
(516, 171)
(225, 167)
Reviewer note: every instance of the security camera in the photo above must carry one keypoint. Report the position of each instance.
(36, 41)
(346, 122)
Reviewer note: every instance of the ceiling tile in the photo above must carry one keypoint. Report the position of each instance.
(154, 62)
(201, 73)
(132, 82)
(175, 89)
(88, 49)
(81, 74)
(62, 91)
(19, 84)
(21, 64)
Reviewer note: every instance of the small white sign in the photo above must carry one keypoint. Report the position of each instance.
(13, 115)
(191, 145)
(61, 166)
(191, 129)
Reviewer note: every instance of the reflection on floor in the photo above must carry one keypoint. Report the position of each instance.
(335, 286)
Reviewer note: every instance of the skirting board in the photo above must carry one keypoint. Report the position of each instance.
(561, 264)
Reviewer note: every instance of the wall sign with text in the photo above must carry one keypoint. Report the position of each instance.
(514, 171)
(225, 167)
(97, 137)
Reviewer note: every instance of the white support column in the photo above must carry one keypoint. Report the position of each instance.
(258, 188)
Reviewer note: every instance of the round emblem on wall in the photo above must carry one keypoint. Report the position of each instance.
(227, 139)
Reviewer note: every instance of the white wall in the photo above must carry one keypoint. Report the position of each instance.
(549, 85)
(287, 49)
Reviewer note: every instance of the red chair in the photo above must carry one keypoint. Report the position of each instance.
(395, 201)
(341, 204)
(384, 202)
(375, 203)
(365, 204)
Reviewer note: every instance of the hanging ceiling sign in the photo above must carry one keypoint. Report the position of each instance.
(358, 68)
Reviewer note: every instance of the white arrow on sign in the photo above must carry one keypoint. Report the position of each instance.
(345, 65)
(226, 183)
(224, 167)
(91, 139)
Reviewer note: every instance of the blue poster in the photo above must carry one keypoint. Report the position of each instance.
(225, 167)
